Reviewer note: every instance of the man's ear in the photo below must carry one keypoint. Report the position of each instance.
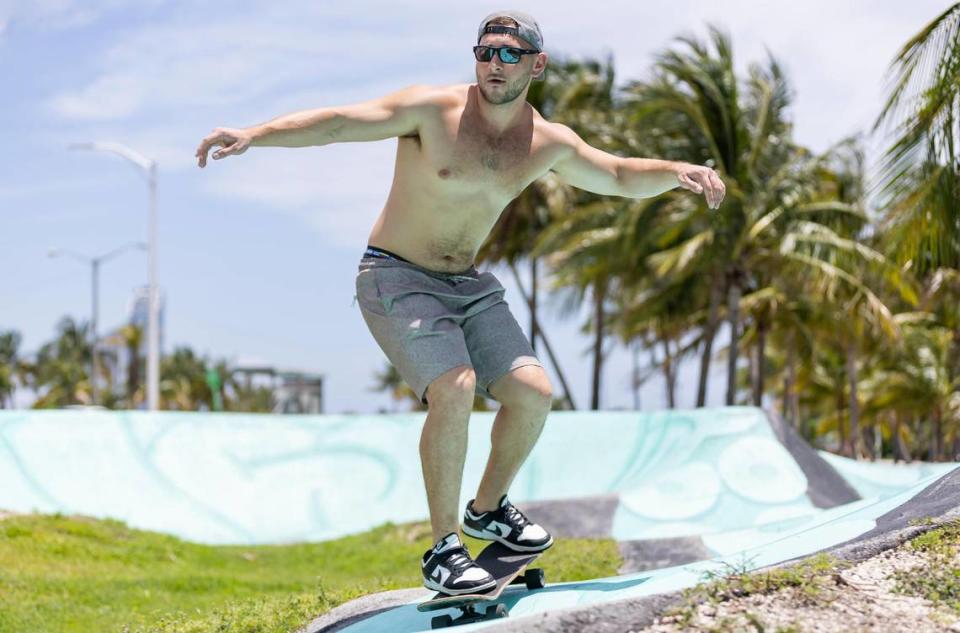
(542, 59)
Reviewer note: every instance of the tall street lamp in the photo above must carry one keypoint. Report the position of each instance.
(148, 168)
(94, 263)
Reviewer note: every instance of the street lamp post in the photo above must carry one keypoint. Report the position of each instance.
(148, 168)
(94, 263)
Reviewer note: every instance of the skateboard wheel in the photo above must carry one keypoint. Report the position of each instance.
(497, 611)
(441, 621)
(534, 579)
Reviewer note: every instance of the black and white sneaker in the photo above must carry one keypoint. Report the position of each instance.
(507, 525)
(448, 568)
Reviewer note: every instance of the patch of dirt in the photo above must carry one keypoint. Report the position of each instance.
(859, 598)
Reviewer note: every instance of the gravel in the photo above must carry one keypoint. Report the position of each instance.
(859, 598)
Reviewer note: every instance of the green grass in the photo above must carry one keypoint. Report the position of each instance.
(810, 576)
(62, 574)
(939, 578)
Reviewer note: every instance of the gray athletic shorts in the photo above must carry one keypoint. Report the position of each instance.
(429, 322)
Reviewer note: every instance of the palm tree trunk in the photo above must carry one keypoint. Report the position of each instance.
(759, 367)
(709, 334)
(898, 447)
(599, 293)
(917, 427)
(636, 375)
(133, 376)
(546, 343)
(668, 373)
(533, 303)
(937, 435)
(870, 436)
(841, 424)
(855, 435)
(733, 309)
(789, 385)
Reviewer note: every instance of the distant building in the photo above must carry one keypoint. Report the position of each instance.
(113, 349)
(293, 391)
(139, 311)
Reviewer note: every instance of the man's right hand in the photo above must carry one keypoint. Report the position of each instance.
(232, 140)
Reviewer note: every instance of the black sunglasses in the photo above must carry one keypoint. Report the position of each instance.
(507, 54)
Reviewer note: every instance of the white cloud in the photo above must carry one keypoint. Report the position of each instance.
(60, 15)
(108, 97)
(240, 59)
(337, 190)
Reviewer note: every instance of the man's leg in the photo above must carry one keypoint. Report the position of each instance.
(443, 446)
(525, 397)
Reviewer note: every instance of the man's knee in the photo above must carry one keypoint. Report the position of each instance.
(524, 387)
(454, 389)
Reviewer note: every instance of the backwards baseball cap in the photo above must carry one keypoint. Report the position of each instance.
(527, 29)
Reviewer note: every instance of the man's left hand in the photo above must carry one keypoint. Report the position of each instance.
(702, 180)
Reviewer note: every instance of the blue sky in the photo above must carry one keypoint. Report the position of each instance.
(258, 253)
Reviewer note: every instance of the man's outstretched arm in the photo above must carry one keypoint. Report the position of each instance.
(397, 114)
(592, 169)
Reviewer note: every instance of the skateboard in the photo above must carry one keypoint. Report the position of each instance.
(504, 564)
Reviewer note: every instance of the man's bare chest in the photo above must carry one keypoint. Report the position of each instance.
(462, 158)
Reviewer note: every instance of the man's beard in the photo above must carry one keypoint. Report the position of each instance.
(510, 92)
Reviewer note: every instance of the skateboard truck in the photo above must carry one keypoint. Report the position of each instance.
(471, 611)
(508, 567)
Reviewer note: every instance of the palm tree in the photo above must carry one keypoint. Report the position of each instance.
(918, 182)
(59, 373)
(777, 222)
(9, 362)
(916, 381)
(251, 398)
(581, 251)
(389, 380)
(660, 318)
(183, 381)
(823, 394)
(919, 177)
(132, 337)
(694, 113)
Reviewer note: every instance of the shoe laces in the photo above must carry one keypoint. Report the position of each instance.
(516, 518)
(458, 560)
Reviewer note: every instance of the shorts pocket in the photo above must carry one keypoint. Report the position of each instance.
(368, 292)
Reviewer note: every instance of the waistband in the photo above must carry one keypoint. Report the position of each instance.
(383, 254)
(373, 251)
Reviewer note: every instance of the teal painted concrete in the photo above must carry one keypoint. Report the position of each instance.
(883, 478)
(699, 472)
(240, 478)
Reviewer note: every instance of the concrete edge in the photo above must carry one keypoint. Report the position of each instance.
(354, 611)
(637, 613)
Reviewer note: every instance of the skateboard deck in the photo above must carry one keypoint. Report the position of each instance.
(504, 564)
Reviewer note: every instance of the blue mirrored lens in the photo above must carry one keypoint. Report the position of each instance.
(509, 55)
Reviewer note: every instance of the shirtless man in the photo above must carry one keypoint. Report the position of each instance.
(464, 152)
